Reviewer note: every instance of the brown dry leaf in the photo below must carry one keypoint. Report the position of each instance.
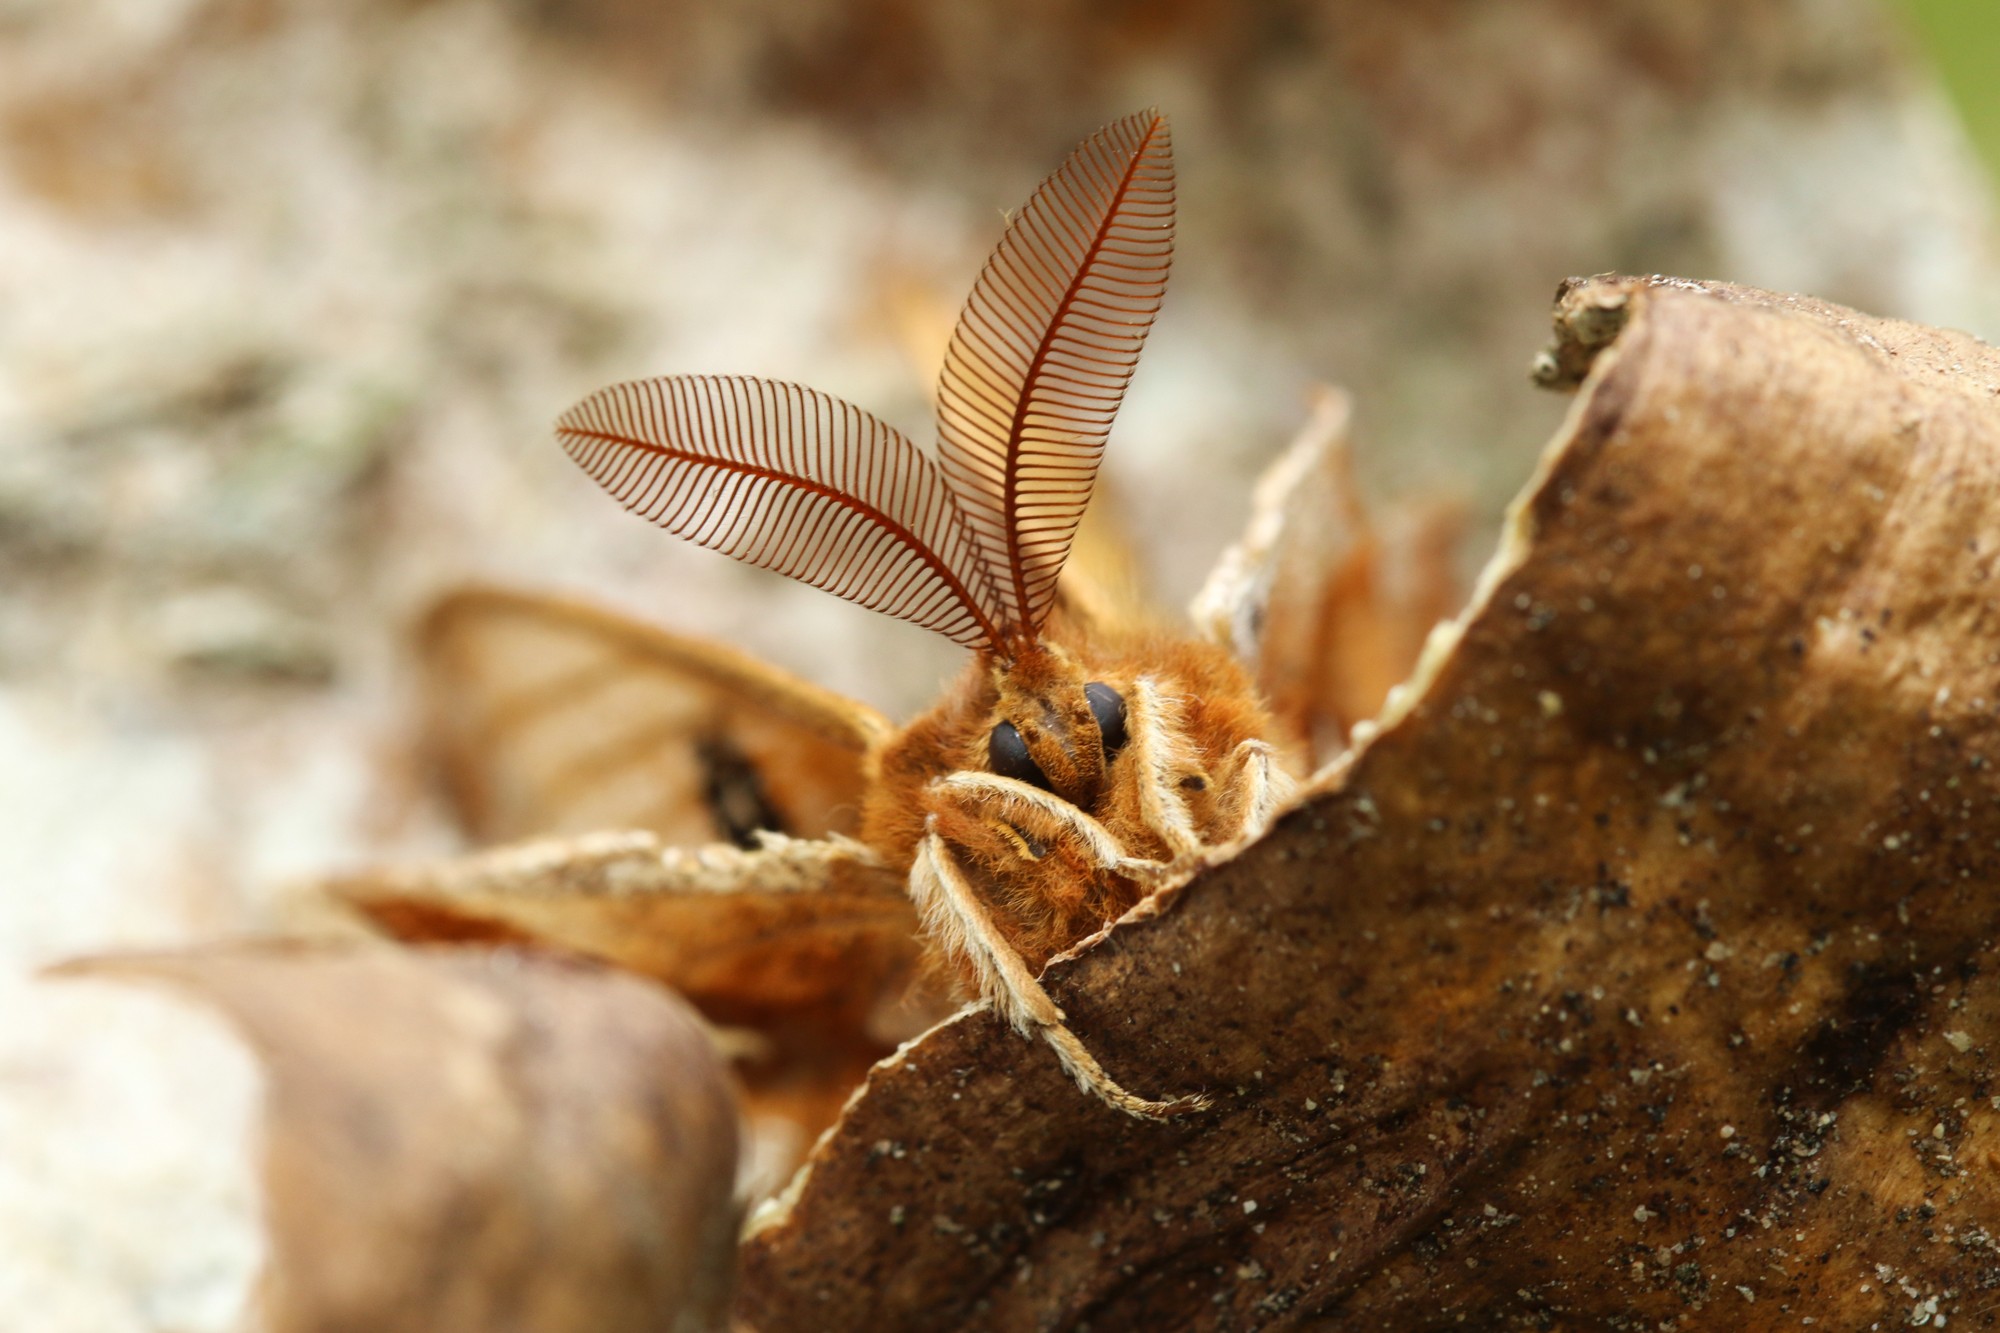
(1330, 607)
(1642, 971)
(476, 1140)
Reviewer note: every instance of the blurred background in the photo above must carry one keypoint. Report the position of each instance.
(289, 294)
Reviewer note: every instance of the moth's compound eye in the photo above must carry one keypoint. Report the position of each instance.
(1108, 707)
(1007, 754)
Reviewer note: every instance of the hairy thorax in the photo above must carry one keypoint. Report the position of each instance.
(1058, 778)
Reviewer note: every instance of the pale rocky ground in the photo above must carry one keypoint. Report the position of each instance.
(289, 293)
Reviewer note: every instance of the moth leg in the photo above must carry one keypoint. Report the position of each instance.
(953, 915)
(1267, 788)
(1165, 757)
(1257, 773)
(1026, 804)
(1090, 1078)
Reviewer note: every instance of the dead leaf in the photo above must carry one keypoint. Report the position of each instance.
(475, 1140)
(1327, 604)
(1644, 964)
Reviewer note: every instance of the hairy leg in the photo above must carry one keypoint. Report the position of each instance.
(958, 921)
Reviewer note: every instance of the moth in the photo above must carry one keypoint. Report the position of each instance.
(798, 866)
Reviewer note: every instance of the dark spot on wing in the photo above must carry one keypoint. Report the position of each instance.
(735, 792)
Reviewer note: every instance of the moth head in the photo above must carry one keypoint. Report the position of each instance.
(1052, 727)
(970, 542)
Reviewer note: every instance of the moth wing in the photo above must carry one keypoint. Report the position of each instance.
(1329, 610)
(794, 933)
(551, 716)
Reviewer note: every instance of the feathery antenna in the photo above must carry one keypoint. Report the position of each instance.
(1048, 340)
(799, 482)
(791, 480)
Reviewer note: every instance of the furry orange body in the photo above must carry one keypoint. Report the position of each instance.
(1044, 885)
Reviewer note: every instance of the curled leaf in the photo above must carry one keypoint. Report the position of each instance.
(1329, 606)
(475, 1140)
